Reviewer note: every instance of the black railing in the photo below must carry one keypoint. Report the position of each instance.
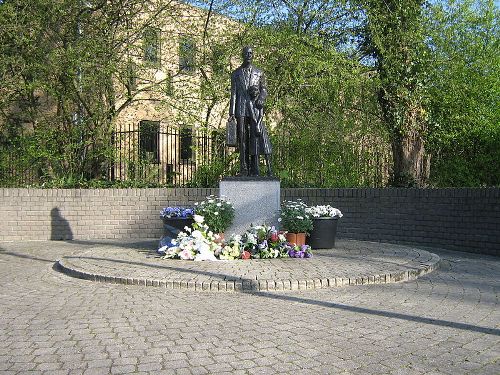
(154, 155)
(170, 156)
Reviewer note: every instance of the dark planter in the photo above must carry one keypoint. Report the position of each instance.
(323, 234)
(172, 226)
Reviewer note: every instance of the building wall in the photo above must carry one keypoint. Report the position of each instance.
(457, 219)
(183, 106)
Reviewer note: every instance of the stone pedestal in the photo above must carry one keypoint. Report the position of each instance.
(256, 201)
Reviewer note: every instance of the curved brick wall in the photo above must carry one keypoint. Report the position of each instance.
(459, 219)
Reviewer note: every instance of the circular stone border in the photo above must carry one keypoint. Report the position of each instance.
(377, 263)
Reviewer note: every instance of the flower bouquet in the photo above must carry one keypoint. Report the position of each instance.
(264, 242)
(196, 243)
(258, 242)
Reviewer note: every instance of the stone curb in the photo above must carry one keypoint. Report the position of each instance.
(248, 286)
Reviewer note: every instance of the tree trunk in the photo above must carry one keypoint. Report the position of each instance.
(411, 164)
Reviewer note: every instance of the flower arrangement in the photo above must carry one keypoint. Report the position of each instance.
(264, 242)
(259, 242)
(177, 212)
(294, 217)
(217, 212)
(324, 211)
(196, 243)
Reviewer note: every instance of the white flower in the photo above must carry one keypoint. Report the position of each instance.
(219, 204)
(198, 218)
(206, 255)
(279, 220)
(300, 217)
(187, 229)
(251, 238)
(197, 234)
(171, 252)
(216, 213)
(163, 249)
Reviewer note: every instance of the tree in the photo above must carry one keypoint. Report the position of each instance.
(68, 69)
(464, 42)
(393, 37)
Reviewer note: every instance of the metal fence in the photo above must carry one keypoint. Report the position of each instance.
(149, 154)
(168, 155)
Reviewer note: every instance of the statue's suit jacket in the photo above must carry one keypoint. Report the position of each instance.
(240, 97)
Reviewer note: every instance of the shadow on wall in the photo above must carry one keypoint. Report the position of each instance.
(59, 226)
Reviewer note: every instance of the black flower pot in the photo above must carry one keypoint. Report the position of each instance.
(323, 234)
(172, 226)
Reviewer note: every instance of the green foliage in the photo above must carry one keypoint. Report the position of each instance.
(421, 90)
(323, 106)
(393, 37)
(464, 40)
(217, 212)
(294, 218)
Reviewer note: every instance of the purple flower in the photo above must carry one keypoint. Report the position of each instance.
(169, 212)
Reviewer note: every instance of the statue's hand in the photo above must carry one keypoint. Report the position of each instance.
(259, 104)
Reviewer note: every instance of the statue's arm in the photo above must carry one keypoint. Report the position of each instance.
(232, 102)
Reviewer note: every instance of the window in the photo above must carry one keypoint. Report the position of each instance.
(149, 134)
(186, 151)
(151, 43)
(187, 54)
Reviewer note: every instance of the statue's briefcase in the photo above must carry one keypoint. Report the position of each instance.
(231, 133)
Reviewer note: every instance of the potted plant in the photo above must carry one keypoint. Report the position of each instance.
(296, 221)
(325, 219)
(217, 212)
(177, 217)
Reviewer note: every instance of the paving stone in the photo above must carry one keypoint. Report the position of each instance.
(445, 322)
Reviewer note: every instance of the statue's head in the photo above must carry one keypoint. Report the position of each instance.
(254, 91)
(247, 54)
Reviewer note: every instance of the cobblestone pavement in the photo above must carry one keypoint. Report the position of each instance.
(446, 322)
(350, 263)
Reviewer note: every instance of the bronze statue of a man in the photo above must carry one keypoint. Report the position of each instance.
(248, 93)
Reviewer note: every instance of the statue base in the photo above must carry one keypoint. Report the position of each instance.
(256, 201)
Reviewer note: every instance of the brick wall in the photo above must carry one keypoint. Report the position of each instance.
(35, 214)
(459, 219)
